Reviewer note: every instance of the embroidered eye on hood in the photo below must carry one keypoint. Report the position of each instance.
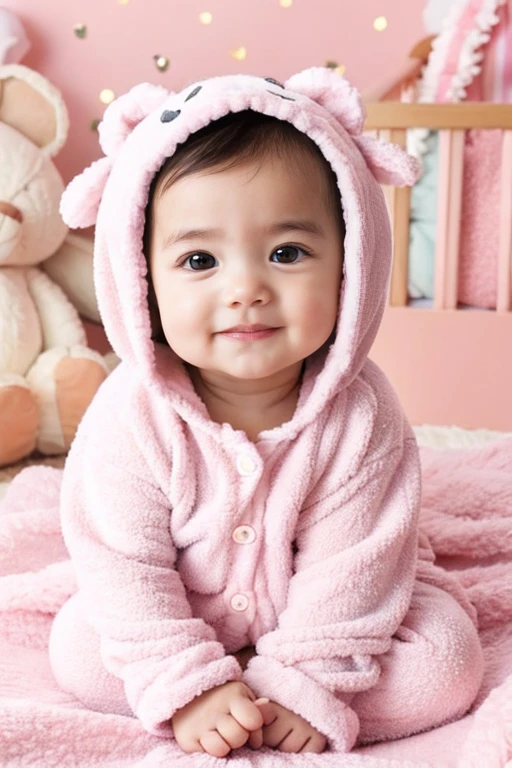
(141, 129)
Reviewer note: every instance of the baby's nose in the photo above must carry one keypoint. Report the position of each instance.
(246, 287)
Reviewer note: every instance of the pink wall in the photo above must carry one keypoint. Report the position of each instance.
(122, 39)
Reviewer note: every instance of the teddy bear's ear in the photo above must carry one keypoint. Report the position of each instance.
(34, 107)
(14, 43)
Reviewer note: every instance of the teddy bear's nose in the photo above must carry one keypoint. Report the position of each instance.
(11, 211)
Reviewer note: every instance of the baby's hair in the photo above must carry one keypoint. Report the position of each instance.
(233, 140)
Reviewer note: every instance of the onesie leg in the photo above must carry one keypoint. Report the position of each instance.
(77, 666)
(430, 675)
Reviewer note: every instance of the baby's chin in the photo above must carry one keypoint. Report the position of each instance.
(244, 374)
(252, 374)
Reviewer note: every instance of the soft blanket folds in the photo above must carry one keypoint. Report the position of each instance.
(467, 513)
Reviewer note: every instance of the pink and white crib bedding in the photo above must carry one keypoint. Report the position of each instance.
(467, 512)
(471, 60)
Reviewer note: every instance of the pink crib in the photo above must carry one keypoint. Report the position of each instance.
(448, 365)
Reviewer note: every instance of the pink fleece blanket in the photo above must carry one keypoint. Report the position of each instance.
(467, 512)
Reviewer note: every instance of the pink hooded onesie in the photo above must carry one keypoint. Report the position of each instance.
(189, 541)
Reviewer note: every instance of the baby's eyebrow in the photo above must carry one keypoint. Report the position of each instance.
(189, 234)
(297, 225)
(300, 225)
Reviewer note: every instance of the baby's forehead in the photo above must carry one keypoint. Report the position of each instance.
(278, 176)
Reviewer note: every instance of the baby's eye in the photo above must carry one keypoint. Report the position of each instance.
(288, 254)
(200, 261)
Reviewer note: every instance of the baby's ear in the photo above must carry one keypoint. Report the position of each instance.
(81, 200)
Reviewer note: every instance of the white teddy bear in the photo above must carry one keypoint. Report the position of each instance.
(48, 375)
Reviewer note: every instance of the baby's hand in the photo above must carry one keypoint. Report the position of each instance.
(219, 720)
(287, 732)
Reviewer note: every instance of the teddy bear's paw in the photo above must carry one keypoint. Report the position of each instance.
(65, 381)
(76, 382)
(19, 419)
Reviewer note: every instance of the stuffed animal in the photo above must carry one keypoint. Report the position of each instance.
(14, 43)
(48, 375)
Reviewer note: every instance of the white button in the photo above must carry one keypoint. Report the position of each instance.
(244, 534)
(245, 465)
(239, 603)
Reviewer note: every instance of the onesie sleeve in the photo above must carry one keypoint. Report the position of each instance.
(116, 524)
(351, 588)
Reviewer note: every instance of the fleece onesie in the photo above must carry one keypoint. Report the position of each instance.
(191, 542)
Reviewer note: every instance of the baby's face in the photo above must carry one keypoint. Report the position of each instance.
(246, 264)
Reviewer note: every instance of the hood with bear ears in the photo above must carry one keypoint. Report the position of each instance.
(144, 127)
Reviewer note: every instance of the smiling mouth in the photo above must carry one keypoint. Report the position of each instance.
(249, 332)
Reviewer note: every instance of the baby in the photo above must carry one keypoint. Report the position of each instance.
(241, 501)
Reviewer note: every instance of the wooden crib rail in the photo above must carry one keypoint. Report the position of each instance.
(392, 120)
(398, 115)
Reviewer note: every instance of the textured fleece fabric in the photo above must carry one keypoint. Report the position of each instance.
(189, 541)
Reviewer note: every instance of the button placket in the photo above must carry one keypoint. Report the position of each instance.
(247, 464)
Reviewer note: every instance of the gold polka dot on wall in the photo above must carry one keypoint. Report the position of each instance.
(286, 3)
(380, 23)
(205, 17)
(107, 95)
(239, 53)
(80, 31)
(339, 68)
(123, 2)
(161, 63)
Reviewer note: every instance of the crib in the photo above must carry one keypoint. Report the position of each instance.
(448, 365)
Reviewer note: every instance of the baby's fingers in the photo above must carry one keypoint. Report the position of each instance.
(276, 732)
(247, 713)
(213, 743)
(255, 739)
(267, 710)
(317, 743)
(231, 731)
(294, 742)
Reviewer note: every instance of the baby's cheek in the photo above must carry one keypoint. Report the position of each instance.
(178, 307)
(322, 307)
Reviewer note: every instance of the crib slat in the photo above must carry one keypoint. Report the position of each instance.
(399, 204)
(504, 302)
(451, 152)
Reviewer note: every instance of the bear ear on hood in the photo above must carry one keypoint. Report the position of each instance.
(332, 91)
(81, 199)
(126, 112)
(389, 163)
